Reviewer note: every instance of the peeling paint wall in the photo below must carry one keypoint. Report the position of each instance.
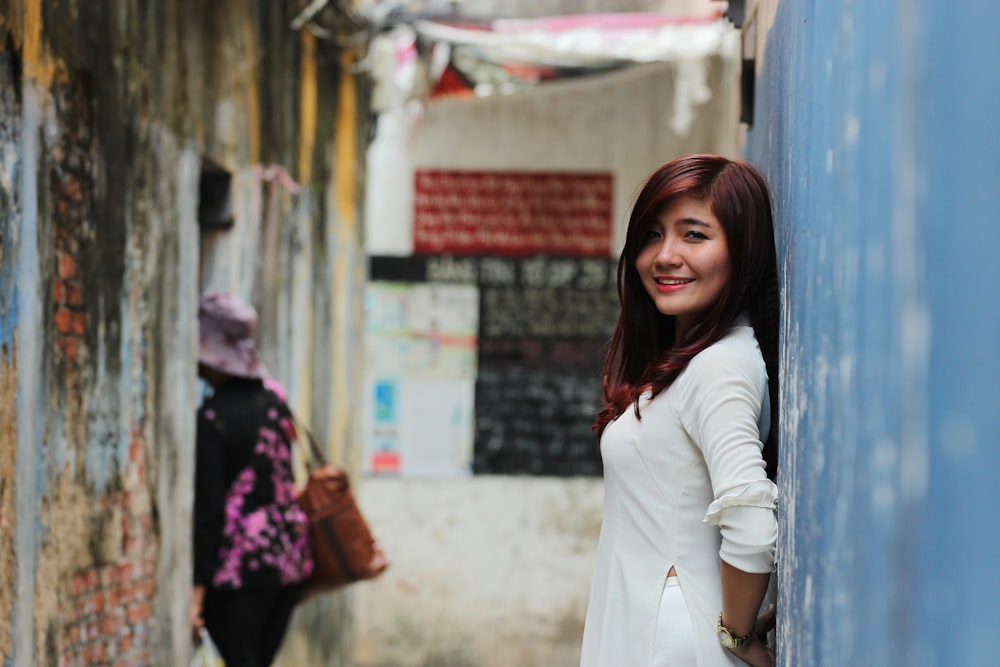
(879, 127)
(295, 252)
(106, 111)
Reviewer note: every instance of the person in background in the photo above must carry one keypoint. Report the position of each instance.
(251, 545)
(688, 431)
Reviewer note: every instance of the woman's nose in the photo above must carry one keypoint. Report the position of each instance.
(668, 255)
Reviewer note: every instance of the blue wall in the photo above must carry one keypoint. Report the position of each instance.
(878, 124)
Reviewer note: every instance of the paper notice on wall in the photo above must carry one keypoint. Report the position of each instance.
(421, 331)
(420, 348)
(419, 428)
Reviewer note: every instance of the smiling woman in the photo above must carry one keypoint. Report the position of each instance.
(684, 262)
(688, 437)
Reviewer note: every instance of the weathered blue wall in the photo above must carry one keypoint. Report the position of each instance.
(878, 124)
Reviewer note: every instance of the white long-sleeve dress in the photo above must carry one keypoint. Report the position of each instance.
(683, 486)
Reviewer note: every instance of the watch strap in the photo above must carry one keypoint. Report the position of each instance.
(738, 642)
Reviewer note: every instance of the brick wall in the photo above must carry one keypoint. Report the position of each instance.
(101, 550)
(111, 614)
(69, 317)
(109, 619)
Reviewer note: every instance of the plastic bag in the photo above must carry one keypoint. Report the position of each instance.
(206, 655)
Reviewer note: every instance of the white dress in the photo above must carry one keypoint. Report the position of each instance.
(683, 485)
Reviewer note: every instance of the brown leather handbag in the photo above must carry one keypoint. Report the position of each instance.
(343, 548)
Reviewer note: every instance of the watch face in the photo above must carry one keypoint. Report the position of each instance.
(726, 639)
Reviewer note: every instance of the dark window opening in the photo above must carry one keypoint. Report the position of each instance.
(215, 198)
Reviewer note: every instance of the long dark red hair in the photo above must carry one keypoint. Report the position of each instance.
(643, 353)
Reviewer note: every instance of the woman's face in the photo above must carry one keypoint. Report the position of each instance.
(684, 262)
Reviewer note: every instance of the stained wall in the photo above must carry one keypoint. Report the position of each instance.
(107, 111)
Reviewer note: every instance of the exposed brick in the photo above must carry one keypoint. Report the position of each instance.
(67, 266)
(147, 588)
(126, 592)
(70, 347)
(74, 295)
(71, 187)
(139, 612)
(59, 291)
(79, 323)
(64, 320)
(112, 623)
(79, 584)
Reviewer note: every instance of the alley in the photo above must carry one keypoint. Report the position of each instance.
(425, 203)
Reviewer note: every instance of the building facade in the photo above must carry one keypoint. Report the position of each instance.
(150, 150)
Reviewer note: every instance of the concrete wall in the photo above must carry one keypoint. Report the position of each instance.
(618, 123)
(495, 571)
(488, 572)
(106, 110)
(879, 127)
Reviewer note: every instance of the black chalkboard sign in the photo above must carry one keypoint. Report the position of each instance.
(544, 323)
(534, 418)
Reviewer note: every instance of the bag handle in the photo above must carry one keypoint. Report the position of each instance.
(314, 454)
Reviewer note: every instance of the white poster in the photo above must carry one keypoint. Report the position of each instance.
(420, 353)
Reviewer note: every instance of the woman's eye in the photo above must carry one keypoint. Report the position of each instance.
(698, 236)
(651, 235)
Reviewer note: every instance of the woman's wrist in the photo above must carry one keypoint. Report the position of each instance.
(732, 638)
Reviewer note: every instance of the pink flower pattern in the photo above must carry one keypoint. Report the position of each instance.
(273, 534)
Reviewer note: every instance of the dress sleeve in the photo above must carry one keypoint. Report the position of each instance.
(721, 412)
(209, 500)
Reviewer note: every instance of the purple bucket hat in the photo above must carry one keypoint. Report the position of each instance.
(225, 336)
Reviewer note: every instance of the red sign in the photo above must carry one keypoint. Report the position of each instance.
(514, 214)
(383, 462)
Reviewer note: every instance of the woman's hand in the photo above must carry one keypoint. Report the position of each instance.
(195, 608)
(757, 653)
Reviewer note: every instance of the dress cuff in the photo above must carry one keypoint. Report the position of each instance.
(749, 525)
(749, 536)
(760, 493)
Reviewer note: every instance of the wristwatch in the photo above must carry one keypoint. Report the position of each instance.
(729, 640)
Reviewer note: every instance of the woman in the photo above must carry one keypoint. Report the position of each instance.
(250, 536)
(688, 432)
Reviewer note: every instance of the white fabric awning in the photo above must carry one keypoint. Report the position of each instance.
(590, 41)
